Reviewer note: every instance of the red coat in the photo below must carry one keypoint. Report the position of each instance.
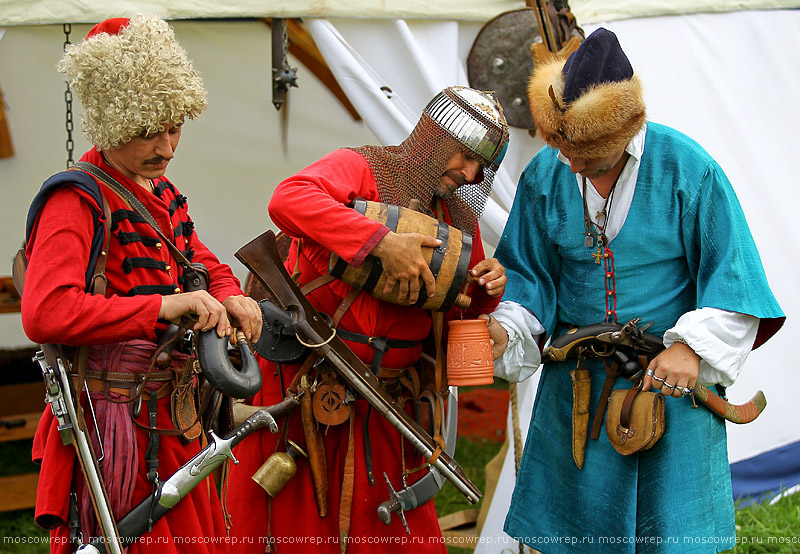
(312, 205)
(55, 309)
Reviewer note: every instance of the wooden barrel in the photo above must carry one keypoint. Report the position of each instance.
(448, 262)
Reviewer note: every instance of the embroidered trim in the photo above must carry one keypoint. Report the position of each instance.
(118, 216)
(178, 202)
(148, 263)
(128, 238)
(185, 228)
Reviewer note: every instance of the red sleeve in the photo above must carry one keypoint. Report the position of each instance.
(55, 308)
(320, 193)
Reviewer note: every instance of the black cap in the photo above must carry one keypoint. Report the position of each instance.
(599, 59)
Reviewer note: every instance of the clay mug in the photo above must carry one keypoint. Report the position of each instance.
(469, 353)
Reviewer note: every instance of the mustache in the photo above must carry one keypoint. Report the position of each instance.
(457, 177)
(157, 160)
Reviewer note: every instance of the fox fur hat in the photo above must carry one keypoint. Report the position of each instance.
(131, 77)
(590, 105)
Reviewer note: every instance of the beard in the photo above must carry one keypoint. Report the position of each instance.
(443, 191)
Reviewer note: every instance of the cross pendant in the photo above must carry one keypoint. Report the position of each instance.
(598, 254)
(600, 215)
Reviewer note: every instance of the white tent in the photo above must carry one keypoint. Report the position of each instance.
(722, 73)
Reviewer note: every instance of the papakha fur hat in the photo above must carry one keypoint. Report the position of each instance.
(590, 105)
(131, 77)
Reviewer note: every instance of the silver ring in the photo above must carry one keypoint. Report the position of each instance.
(659, 379)
(669, 386)
(489, 320)
(650, 372)
(686, 391)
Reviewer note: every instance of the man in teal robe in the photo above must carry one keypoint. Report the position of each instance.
(620, 218)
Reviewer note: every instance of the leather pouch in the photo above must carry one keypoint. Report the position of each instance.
(278, 342)
(184, 407)
(635, 419)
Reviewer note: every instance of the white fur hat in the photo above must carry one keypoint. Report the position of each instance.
(131, 77)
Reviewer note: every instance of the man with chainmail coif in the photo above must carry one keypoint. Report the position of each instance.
(452, 155)
(458, 119)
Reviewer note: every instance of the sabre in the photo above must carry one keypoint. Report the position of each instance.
(190, 474)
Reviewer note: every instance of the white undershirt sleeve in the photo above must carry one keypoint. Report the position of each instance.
(722, 339)
(522, 357)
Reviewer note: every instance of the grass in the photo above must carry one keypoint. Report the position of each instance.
(761, 528)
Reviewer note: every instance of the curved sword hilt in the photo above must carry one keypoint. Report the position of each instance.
(394, 504)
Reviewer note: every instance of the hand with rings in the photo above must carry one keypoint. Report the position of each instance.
(673, 372)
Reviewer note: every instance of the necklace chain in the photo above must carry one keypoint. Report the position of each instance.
(594, 230)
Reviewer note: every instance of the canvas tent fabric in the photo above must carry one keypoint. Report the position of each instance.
(24, 12)
(722, 78)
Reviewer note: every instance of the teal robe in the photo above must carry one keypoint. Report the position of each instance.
(684, 245)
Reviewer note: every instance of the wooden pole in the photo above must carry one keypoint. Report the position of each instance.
(6, 146)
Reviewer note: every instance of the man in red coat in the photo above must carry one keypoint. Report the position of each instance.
(137, 87)
(447, 164)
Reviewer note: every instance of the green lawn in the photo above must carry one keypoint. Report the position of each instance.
(761, 528)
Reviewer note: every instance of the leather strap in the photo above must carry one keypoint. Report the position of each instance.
(120, 377)
(345, 305)
(625, 415)
(438, 325)
(96, 385)
(348, 482)
(364, 339)
(99, 280)
(314, 284)
(97, 286)
(611, 375)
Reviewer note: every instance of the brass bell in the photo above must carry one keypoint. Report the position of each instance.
(273, 474)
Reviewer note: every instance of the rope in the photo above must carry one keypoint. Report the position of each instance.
(512, 389)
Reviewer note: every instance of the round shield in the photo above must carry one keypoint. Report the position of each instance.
(500, 60)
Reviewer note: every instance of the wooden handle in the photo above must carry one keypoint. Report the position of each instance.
(463, 301)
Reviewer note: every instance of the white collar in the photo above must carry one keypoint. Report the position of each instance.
(626, 186)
